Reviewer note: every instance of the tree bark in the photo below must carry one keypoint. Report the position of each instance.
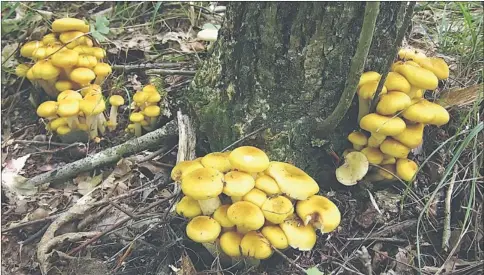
(284, 65)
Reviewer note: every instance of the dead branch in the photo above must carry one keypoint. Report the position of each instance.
(107, 156)
(169, 72)
(447, 212)
(132, 67)
(365, 258)
(94, 216)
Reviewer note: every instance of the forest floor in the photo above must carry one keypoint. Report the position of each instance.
(399, 231)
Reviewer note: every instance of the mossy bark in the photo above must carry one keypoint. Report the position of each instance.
(277, 64)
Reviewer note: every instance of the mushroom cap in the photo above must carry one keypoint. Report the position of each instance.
(69, 24)
(374, 155)
(420, 110)
(230, 243)
(275, 236)
(384, 125)
(406, 169)
(418, 77)
(392, 102)
(267, 184)
(83, 76)
(215, 160)
(299, 236)
(87, 61)
(220, 215)
(238, 183)
(441, 115)
(49, 39)
(203, 229)
(188, 208)
(92, 107)
(53, 49)
(412, 136)
(386, 175)
(136, 117)
(140, 97)
(63, 85)
(39, 53)
(98, 53)
(347, 151)
(246, 216)
(208, 35)
(202, 184)
(153, 97)
(183, 168)
(394, 148)
(71, 38)
(45, 70)
(439, 68)
(21, 70)
(102, 69)
(69, 94)
(320, 211)
(83, 49)
(248, 159)
(116, 100)
(368, 77)
(354, 168)
(397, 82)
(47, 109)
(63, 130)
(150, 88)
(292, 181)
(56, 123)
(68, 108)
(30, 47)
(388, 160)
(358, 138)
(368, 90)
(255, 245)
(277, 209)
(256, 197)
(152, 111)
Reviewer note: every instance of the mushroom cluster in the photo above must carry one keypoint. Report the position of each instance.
(246, 205)
(65, 59)
(145, 110)
(401, 114)
(82, 111)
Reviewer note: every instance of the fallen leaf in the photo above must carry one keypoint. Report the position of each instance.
(14, 183)
(404, 260)
(87, 185)
(8, 58)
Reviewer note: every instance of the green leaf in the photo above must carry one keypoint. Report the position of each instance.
(314, 271)
(102, 24)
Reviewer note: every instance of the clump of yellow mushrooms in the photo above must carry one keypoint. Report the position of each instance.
(67, 66)
(65, 59)
(401, 114)
(145, 110)
(247, 205)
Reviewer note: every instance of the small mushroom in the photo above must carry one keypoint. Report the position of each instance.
(152, 113)
(256, 197)
(136, 118)
(267, 184)
(365, 95)
(230, 243)
(354, 169)
(374, 155)
(102, 70)
(249, 159)
(246, 216)
(406, 169)
(183, 168)
(412, 136)
(320, 212)
(82, 76)
(115, 101)
(275, 236)
(277, 209)
(299, 236)
(392, 102)
(218, 161)
(292, 181)
(188, 208)
(237, 183)
(69, 24)
(394, 148)
(255, 245)
(397, 82)
(220, 215)
(358, 139)
(204, 185)
(418, 77)
(204, 230)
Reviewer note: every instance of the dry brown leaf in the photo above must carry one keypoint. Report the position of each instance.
(461, 97)
(87, 184)
(15, 184)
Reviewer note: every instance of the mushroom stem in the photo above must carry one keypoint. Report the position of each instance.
(209, 206)
(137, 130)
(153, 121)
(99, 79)
(375, 140)
(363, 107)
(101, 123)
(91, 122)
(113, 113)
(73, 122)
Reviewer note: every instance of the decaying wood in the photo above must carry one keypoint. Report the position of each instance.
(107, 156)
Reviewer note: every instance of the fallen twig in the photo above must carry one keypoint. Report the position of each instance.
(157, 153)
(289, 260)
(107, 156)
(132, 67)
(94, 216)
(390, 240)
(448, 201)
(365, 258)
(24, 224)
(169, 72)
(244, 138)
(34, 236)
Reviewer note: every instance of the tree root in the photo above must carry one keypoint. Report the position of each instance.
(107, 156)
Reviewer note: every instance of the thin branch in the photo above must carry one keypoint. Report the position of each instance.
(447, 212)
(244, 137)
(357, 65)
(170, 72)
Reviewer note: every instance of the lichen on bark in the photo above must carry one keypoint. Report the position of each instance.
(276, 64)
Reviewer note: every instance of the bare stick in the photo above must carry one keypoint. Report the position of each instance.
(365, 258)
(132, 67)
(170, 72)
(24, 224)
(156, 153)
(244, 138)
(289, 260)
(107, 156)
(448, 201)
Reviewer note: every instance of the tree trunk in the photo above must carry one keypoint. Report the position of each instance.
(284, 65)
